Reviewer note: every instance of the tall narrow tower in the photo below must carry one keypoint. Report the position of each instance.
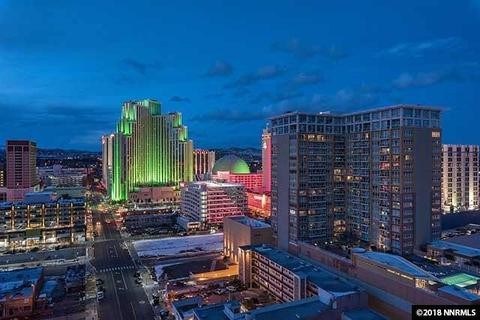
(21, 168)
(267, 160)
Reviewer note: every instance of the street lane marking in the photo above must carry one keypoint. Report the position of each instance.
(133, 309)
(116, 297)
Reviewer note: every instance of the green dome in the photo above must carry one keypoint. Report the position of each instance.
(232, 164)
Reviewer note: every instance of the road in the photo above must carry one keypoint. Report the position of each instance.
(124, 299)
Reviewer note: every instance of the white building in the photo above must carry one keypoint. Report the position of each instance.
(209, 202)
(460, 167)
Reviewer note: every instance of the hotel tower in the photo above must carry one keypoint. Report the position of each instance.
(148, 149)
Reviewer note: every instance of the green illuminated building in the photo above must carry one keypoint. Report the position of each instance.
(148, 149)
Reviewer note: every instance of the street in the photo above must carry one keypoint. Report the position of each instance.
(124, 299)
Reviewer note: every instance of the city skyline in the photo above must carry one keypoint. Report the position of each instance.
(71, 68)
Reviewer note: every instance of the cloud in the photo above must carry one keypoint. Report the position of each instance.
(220, 69)
(264, 73)
(420, 49)
(180, 99)
(214, 95)
(275, 97)
(303, 50)
(296, 48)
(306, 78)
(139, 67)
(466, 72)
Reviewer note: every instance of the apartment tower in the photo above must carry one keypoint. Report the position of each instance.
(372, 175)
(460, 177)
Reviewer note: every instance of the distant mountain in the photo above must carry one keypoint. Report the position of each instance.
(247, 154)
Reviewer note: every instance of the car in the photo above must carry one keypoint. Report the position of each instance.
(137, 274)
(138, 281)
(101, 289)
(100, 295)
(99, 281)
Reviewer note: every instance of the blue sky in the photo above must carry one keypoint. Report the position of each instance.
(66, 66)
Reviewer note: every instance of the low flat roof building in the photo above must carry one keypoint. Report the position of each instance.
(463, 257)
(289, 278)
(306, 309)
(18, 292)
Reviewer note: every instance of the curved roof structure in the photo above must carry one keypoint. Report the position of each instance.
(232, 164)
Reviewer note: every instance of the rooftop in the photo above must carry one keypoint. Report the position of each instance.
(253, 223)
(300, 309)
(19, 282)
(214, 184)
(460, 293)
(468, 240)
(458, 248)
(231, 163)
(337, 114)
(211, 312)
(9, 204)
(363, 314)
(461, 280)
(396, 262)
(314, 273)
(186, 305)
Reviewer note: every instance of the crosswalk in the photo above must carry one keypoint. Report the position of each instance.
(119, 268)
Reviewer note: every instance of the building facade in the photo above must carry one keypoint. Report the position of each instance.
(107, 160)
(373, 175)
(149, 149)
(209, 202)
(241, 231)
(460, 167)
(289, 278)
(29, 224)
(21, 156)
(267, 160)
(203, 162)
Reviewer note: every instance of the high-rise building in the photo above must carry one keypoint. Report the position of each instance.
(372, 175)
(203, 162)
(149, 149)
(2, 174)
(21, 156)
(267, 160)
(208, 202)
(107, 159)
(460, 167)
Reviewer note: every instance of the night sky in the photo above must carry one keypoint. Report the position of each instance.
(67, 66)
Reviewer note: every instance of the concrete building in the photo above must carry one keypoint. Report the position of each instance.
(30, 224)
(372, 175)
(305, 309)
(289, 278)
(19, 291)
(169, 196)
(21, 156)
(203, 162)
(461, 252)
(107, 160)
(231, 168)
(2, 174)
(241, 231)
(149, 149)
(267, 160)
(210, 202)
(460, 166)
(259, 204)
(59, 176)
